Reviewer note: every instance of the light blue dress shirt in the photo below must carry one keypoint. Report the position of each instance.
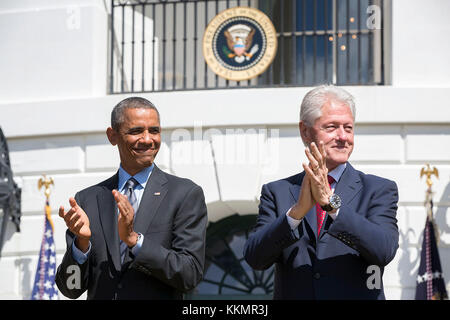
(141, 177)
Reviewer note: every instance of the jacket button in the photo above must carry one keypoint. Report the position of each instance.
(316, 276)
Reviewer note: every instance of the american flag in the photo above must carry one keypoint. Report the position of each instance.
(44, 283)
(430, 283)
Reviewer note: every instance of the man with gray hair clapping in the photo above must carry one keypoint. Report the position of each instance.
(330, 230)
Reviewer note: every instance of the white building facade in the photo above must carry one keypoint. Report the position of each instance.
(55, 104)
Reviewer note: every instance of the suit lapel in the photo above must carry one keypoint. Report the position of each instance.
(311, 217)
(155, 191)
(107, 209)
(349, 185)
(295, 187)
(347, 188)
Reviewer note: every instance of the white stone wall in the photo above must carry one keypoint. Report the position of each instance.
(419, 49)
(54, 114)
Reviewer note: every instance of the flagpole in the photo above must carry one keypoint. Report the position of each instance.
(44, 287)
(430, 284)
(429, 209)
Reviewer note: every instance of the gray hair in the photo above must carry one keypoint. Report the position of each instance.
(313, 101)
(117, 114)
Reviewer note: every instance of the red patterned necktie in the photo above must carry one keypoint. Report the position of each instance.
(321, 213)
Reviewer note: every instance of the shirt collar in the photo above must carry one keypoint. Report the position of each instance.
(141, 177)
(337, 172)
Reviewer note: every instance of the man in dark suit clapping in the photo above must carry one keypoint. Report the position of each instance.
(330, 230)
(141, 233)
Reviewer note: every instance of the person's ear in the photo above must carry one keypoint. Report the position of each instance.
(112, 136)
(304, 131)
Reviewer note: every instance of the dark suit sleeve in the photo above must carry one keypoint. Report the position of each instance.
(270, 236)
(373, 233)
(180, 266)
(71, 277)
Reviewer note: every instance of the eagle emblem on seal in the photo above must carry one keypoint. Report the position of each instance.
(239, 43)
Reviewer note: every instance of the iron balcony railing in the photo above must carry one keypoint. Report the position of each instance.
(156, 45)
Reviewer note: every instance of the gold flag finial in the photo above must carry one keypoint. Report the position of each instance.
(46, 182)
(429, 172)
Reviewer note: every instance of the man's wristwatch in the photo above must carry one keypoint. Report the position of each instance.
(139, 236)
(334, 203)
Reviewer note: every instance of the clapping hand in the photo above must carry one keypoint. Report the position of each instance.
(125, 219)
(77, 222)
(317, 172)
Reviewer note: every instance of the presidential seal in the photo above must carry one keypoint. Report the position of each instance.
(239, 43)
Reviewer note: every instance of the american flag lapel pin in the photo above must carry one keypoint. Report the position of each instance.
(157, 194)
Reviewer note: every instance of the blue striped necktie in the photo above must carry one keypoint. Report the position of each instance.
(129, 192)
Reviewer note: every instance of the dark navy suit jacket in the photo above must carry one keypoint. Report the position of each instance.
(336, 263)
